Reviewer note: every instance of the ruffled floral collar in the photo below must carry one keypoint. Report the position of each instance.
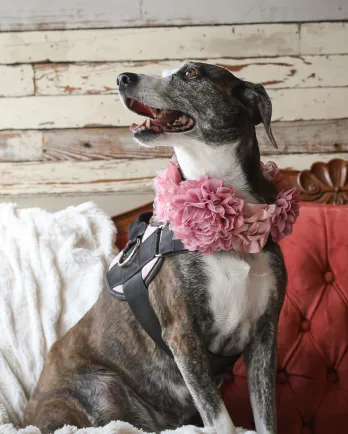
(207, 216)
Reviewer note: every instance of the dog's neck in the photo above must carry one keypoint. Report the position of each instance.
(237, 164)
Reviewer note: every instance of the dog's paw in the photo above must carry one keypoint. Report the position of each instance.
(244, 431)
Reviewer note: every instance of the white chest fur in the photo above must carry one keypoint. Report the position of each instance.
(239, 289)
(197, 159)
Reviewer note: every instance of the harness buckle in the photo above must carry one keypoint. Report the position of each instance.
(160, 230)
(129, 258)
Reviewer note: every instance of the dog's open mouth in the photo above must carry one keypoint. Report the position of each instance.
(158, 120)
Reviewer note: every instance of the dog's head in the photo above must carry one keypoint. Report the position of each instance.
(196, 102)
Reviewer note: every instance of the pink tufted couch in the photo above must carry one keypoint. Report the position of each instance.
(312, 377)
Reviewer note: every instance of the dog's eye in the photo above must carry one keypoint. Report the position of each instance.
(190, 73)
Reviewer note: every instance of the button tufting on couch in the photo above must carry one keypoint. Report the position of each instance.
(312, 378)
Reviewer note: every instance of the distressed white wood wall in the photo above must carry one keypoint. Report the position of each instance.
(64, 131)
(76, 14)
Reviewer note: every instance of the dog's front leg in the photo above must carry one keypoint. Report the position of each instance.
(192, 361)
(260, 360)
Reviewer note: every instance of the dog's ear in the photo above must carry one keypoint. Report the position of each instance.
(259, 105)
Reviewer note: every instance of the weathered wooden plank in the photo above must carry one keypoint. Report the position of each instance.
(89, 78)
(111, 203)
(273, 72)
(119, 176)
(249, 11)
(79, 111)
(149, 43)
(202, 42)
(108, 143)
(309, 104)
(64, 112)
(96, 143)
(20, 145)
(67, 14)
(16, 80)
(302, 161)
(324, 38)
(323, 136)
(82, 177)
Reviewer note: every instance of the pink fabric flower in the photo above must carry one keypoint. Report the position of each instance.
(287, 211)
(253, 236)
(166, 186)
(208, 216)
(204, 213)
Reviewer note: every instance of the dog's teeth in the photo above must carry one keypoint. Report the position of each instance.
(148, 123)
(131, 102)
(185, 119)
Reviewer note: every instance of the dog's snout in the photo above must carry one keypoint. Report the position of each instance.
(127, 78)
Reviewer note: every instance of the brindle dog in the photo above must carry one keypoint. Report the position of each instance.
(106, 367)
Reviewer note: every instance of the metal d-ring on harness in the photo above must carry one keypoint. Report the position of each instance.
(123, 262)
(126, 280)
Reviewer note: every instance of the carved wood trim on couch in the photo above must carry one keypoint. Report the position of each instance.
(325, 182)
(322, 183)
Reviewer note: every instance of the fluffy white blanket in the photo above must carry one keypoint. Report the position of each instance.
(51, 272)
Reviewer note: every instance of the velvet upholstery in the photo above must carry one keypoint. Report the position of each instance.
(312, 377)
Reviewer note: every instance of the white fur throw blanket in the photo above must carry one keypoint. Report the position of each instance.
(51, 272)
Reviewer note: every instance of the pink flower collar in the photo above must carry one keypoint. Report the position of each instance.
(207, 216)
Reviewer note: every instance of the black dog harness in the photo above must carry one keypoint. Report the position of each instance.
(134, 268)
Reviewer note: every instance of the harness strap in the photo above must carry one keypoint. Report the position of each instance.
(168, 245)
(137, 296)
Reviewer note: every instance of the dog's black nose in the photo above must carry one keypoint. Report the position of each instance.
(127, 78)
